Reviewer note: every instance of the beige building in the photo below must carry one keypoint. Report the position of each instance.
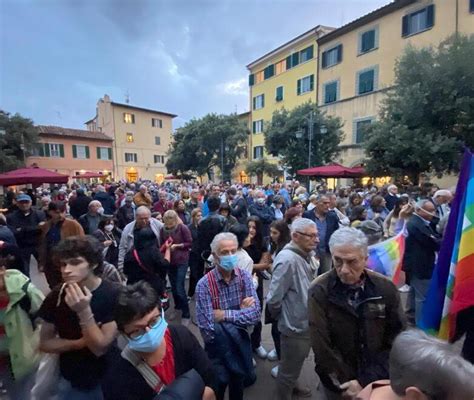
(142, 138)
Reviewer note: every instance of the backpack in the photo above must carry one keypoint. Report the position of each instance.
(25, 304)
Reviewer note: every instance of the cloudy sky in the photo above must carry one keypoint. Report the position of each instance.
(188, 57)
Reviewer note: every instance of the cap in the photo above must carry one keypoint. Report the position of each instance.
(370, 227)
(23, 197)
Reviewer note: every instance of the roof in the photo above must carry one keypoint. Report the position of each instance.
(143, 109)
(365, 19)
(72, 133)
(288, 44)
(91, 120)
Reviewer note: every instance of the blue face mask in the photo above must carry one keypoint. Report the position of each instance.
(150, 340)
(228, 262)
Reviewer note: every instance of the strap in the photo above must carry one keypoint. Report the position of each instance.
(150, 376)
(137, 258)
(214, 291)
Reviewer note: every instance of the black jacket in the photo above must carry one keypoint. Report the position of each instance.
(25, 227)
(107, 201)
(122, 219)
(421, 246)
(239, 210)
(208, 228)
(79, 206)
(332, 222)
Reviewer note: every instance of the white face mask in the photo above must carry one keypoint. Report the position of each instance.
(261, 200)
(100, 210)
(108, 228)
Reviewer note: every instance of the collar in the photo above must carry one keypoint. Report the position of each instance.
(219, 276)
(425, 221)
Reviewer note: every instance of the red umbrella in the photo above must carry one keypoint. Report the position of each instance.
(88, 175)
(333, 171)
(33, 175)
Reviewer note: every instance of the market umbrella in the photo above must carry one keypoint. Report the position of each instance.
(333, 171)
(89, 175)
(33, 175)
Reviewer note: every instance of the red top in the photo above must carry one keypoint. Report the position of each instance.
(165, 368)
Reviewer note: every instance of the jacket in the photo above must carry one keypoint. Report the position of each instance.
(181, 235)
(332, 223)
(84, 221)
(125, 215)
(209, 227)
(239, 210)
(353, 342)
(6, 235)
(79, 206)
(265, 214)
(142, 200)
(22, 337)
(287, 298)
(126, 241)
(107, 201)
(421, 246)
(26, 227)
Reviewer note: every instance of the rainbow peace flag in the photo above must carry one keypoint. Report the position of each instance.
(452, 285)
(386, 257)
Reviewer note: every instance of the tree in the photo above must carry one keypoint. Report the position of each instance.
(17, 139)
(281, 140)
(262, 167)
(428, 116)
(204, 143)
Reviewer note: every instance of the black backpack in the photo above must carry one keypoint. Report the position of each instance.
(25, 304)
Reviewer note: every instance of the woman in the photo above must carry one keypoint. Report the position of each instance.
(358, 214)
(257, 249)
(224, 210)
(292, 214)
(377, 211)
(245, 262)
(195, 262)
(392, 222)
(109, 235)
(278, 204)
(181, 240)
(355, 199)
(179, 206)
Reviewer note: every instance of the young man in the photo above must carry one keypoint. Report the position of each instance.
(78, 322)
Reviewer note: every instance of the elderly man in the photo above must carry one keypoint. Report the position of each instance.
(226, 303)
(193, 202)
(163, 204)
(440, 200)
(144, 229)
(143, 198)
(354, 316)
(287, 302)
(262, 211)
(327, 223)
(391, 197)
(106, 200)
(90, 220)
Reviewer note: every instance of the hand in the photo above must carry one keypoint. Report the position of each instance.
(406, 211)
(79, 344)
(175, 246)
(219, 315)
(107, 243)
(77, 298)
(208, 394)
(351, 389)
(247, 302)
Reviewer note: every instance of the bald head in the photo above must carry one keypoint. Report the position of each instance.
(142, 217)
(425, 209)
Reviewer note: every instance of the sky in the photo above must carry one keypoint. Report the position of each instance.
(186, 57)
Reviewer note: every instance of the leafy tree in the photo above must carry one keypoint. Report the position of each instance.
(428, 116)
(198, 145)
(17, 139)
(262, 167)
(281, 140)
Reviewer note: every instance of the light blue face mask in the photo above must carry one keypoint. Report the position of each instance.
(150, 340)
(228, 262)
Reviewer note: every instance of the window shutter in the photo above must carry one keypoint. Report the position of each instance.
(471, 6)
(133, 120)
(254, 102)
(309, 52)
(339, 53)
(47, 150)
(263, 100)
(298, 87)
(430, 16)
(254, 127)
(251, 79)
(110, 152)
(324, 61)
(295, 59)
(87, 152)
(98, 152)
(288, 62)
(61, 150)
(74, 151)
(311, 82)
(405, 26)
(376, 78)
(41, 149)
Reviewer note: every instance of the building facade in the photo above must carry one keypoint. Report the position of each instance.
(142, 138)
(73, 151)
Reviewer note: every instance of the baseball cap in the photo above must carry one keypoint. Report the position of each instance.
(23, 197)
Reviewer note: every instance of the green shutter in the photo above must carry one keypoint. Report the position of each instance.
(295, 59)
(251, 79)
(98, 152)
(87, 152)
(41, 147)
(311, 82)
(74, 151)
(430, 16)
(254, 127)
(263, 100)
(269, 72)
(279, 93)
(110, 152)
(298, 87)
(309, 52)
(61, 150)
(288, 62)
(254, 103)
(405, 29)
(47, 150)
(339, 53)
(324, 60)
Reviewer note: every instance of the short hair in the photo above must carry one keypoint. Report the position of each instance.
(106, 219)
(100, 188)
(431, 365)
(134, 302)
(213, 203)
(301, 224)
(142, 187)
(420, 204)
(195, 212)
(277, 199)
(442, 192)
(57, 205)
(348, 236)
(170, 215)
(95, 202)
(221, 237)
(241, 232)
(391, 186)
(87, 247)
(232, 191)
(143, 209)
(291, 213)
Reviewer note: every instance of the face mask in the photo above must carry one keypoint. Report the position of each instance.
(108, 228)
(228, 262)
(100, 210)
(151, 340)
(260, 200)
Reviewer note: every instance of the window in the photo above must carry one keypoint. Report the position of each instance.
(259, 77)
(332, 56)
(104, 153)
(55, 150)
(131, 157)
(292, 60)
(368, 41)
(38, 150)
(157, 140)
(251, 79)
(159, 159)
(360, 128)
(279, 93)
(80, 151)
(366, 81)
(269, 72)
(129, 118)
(156, 123)
(257, 126)
(306, 54)
(305, 84)
(471, 6)
(280, 67)
(257, 152)
(259, 102)
(331, 92)
(418, 21)
(129, 137)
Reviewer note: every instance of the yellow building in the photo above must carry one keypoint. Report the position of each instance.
(356, 61)
(141, 136)
(283, 78)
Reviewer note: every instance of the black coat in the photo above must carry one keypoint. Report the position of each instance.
(332, 222)
(107, 201)
(239, 210)
(208, 228)
(79, 206)
(421, 246)
(25, 227)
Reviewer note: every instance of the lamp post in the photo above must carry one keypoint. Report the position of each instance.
(300, 133)
(226, 148)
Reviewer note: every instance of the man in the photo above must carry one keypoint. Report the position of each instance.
(90, 220)
(327, 223)
(106, 200)
(162, 205)
(144, 229)
(143, 198)
(193, 202)
(440, 200)
(343, 219)
(227, 295)
(391, 197)
(210, 226)
(238, 205)
(126, 213)
(283, 191)
(57, 228)
(78, 319)
(421, 246)
(25, 225)
(80, 204)
(214, 192)
(262, 211)
(354, 316)
(287, 302)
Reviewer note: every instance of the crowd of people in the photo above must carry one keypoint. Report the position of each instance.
(126, 261)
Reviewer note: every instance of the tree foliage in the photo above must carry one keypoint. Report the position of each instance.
(197, 146)
(428, 116)
(281, 140)
(262, 167)
(17, 142)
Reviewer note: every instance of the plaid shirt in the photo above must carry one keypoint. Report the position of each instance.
(230, 296)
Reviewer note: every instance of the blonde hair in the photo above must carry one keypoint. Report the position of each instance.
(170, 215)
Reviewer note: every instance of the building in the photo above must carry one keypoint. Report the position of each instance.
(283, 78)
(142, 138)
(73, 151)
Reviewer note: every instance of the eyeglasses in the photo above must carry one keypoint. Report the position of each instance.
(152, 323)
(310, 235)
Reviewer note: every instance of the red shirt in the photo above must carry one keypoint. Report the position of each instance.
(165, 368)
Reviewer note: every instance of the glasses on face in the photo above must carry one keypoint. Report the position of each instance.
(310, 235)
(152, 323)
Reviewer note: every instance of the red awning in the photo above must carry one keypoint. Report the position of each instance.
(333, 171)
(89, 175)
(32, 175)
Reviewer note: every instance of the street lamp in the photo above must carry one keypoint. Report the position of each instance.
(300, 133)
(226, 148)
